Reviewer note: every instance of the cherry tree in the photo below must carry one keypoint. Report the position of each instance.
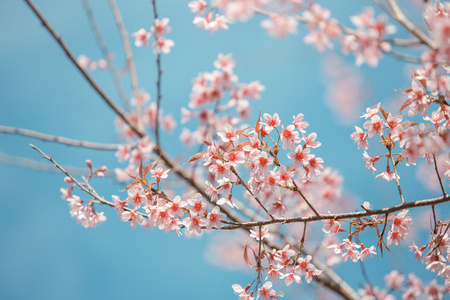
(262, 174)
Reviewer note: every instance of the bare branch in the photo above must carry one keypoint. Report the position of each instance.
(130, 62)
(158, 81)
(42, 166)
(91, 81)
(405, 22)
(304, 198)
(62, 140)
(351, 215)
(106, 55)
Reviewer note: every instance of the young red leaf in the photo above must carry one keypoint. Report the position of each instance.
(246, 259)
(406, 104)
(385, 114)
(149, 167)
(195, 157)
(131, 185)
(140, 169)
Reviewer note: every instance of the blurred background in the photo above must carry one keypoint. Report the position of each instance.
(45, 254)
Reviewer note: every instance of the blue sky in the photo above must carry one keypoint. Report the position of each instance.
(45, 254)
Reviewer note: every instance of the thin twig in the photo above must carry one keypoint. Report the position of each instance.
(62, 140)
(350, 215)
(130, 62)
(248, 190)
(405, 22)
(396, 175)
(106, 55)
(42, 166)
(438, 175)
(158, 80)
(91, 81)
(304, 198)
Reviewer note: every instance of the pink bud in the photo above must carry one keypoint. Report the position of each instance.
(100, 174)
(68, 179)
(89, 163)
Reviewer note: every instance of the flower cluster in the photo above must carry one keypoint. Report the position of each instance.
(368, 42)
(161, 44)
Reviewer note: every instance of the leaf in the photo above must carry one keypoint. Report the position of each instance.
(131, 185)
(409, 124)
(207, 143)
(385, 114)
(246, 259)
(406, 104)
(195, 157)
(239, 132)
(149, 167)
(242, 145)
(134, 177)
(258, 124)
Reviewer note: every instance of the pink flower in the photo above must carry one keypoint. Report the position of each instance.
(197, 206)
(375, 125)
(279, 25)
(310, 141)
(304, 263)
(193, 224)
(198, 6)
(141, 37)
(315, 164)
(271, 122)
(331, 226)
(176, 207)
(133, 217)
(300, 156)
(367, 252)
(159, 173)
(162, 45)
(214, 218)
(300, 124)
(312, 272)
(225, 63)
(229, 135)
(289, 137)
(388, 175)
(418, 252)
(360, 137)
(371, 111)
(291, 277)
(394, 280)
(267, 293)
(264, 233)
(119, 205)
(160, 27)
(370, 162)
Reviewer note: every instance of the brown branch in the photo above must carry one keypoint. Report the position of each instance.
(350, 215)
(130, 62)
(400, 17)
(61, 140)
(91, 81)
(248, 190)
(90, 191)
(438, 175)
(158, 81)
(106, 55)
(396, 175)
(42, 166)
(304, 198)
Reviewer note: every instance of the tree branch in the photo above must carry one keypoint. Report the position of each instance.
(91, 81)
(106, 55)
(130, 62)
(61, 140)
